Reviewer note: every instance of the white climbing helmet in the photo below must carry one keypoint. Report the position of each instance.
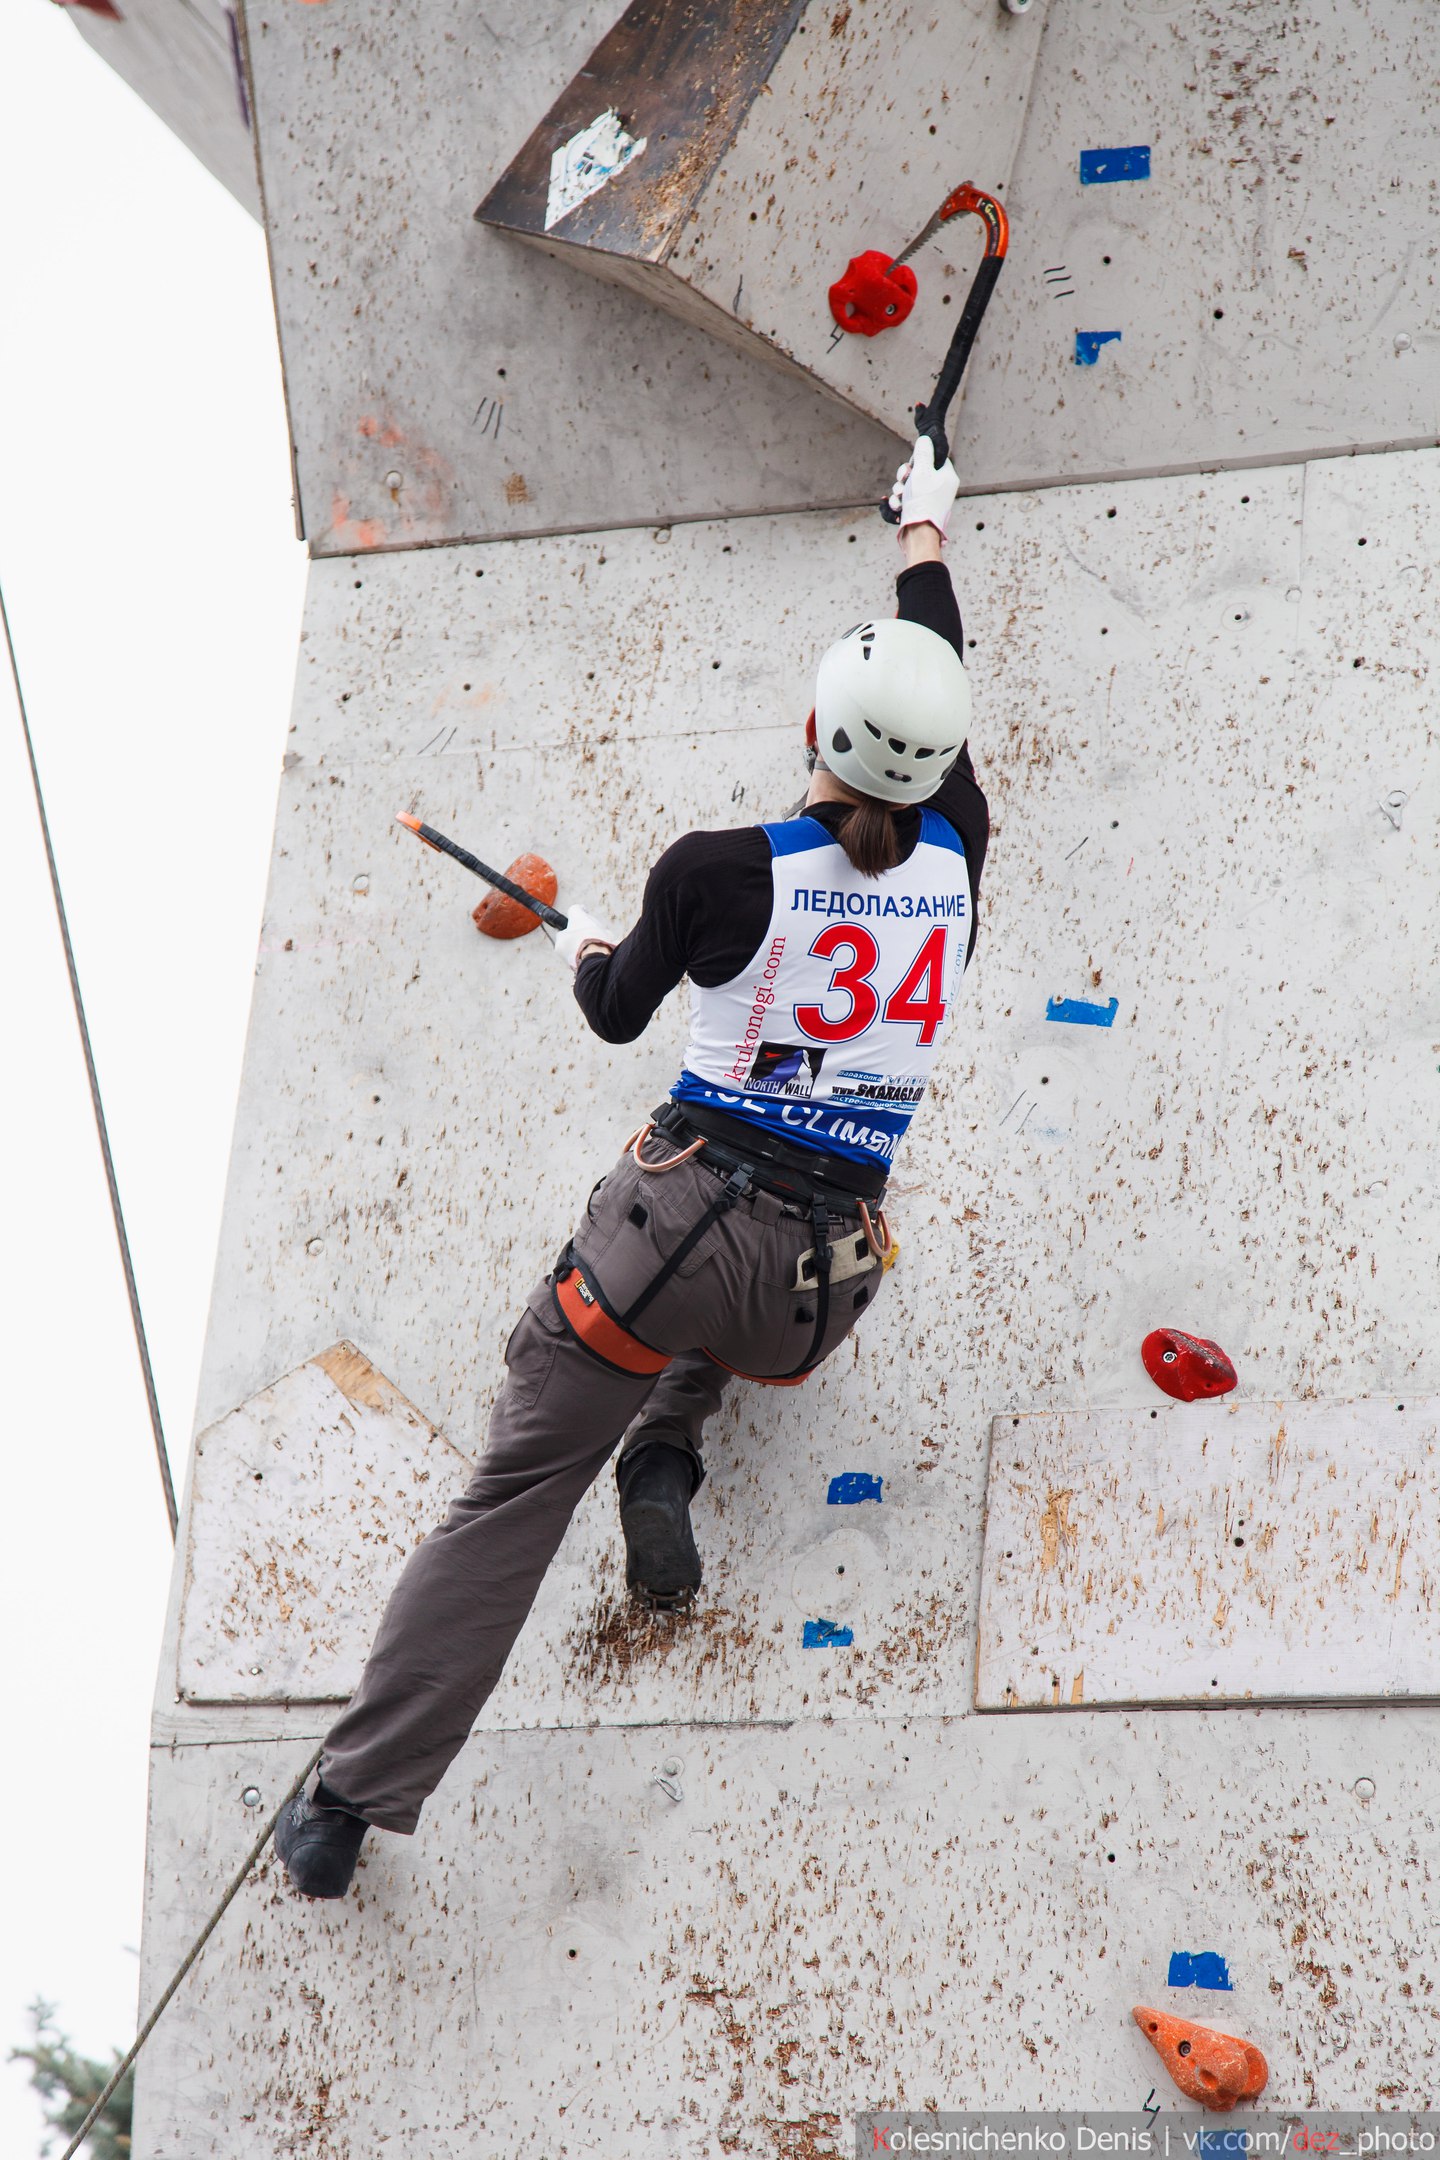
(892, 707)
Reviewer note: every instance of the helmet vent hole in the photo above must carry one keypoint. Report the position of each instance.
(840, 740)
(865, 644)
(924, 753)
(898, 747)
(904, 778)
(873, 729)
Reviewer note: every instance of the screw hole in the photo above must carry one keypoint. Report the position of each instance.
(1219, 314)
(1109, 513)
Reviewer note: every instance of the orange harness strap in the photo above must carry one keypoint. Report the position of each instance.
(580, 1308)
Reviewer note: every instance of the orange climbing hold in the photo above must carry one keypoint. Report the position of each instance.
(1212, 2067)
(499, 916)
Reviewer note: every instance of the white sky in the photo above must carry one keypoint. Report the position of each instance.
(155, 586)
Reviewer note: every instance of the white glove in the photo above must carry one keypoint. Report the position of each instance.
(581, 929)
(921, 495)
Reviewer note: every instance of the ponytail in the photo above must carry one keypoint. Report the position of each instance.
(869, 838)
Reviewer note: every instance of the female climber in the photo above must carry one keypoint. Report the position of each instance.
(743, 1231)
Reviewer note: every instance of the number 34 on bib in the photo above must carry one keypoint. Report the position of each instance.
(917, 1000)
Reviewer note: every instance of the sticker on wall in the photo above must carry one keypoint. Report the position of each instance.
(1099, 166)
(1078, 1012)
(852, 1486)
(1089, 342)
(581, 167)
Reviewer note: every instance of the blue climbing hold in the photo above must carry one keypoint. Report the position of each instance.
(827, 1635)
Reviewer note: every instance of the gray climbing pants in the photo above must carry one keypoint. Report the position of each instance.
(465, 1592)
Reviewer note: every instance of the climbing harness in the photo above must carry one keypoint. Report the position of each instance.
(609, 1336)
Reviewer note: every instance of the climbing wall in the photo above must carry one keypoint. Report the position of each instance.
(727, 1881)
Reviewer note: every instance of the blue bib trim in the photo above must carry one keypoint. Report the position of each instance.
(867, 1136)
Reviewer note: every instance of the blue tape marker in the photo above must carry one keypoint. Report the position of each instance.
(1089, 342)
(852, 1486)
(1079, 1014)
(1130, 163)
(1199, 1968)
(827, 1635)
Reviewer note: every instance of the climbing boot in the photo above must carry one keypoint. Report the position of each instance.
(662, 1565)
(319, 1845)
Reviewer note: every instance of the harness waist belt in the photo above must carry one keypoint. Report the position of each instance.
(781, 1168)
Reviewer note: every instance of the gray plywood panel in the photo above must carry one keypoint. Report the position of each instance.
(937, 1914)
(304, 1501)
(1273, 281)
(445, 381)
(1209, 1552)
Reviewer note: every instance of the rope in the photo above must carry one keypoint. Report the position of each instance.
(140, 1342)
(237, 1884)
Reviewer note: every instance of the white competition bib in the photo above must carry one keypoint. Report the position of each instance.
(829, 1034)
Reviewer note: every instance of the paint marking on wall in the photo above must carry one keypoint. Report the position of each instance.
(827, 1635)
(1199, 1968)
(581, 167)
(1099, 166)
(1077, 1012)
(853, 1486)
(1089, 342)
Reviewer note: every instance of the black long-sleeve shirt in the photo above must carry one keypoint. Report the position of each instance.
(708, 899)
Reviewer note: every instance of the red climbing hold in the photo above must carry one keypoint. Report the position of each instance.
(499, 916)
(1187, 1366)
(872, 296)
(1212, 2067)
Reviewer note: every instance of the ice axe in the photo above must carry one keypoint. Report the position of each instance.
(930, 417)
(505, 926)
